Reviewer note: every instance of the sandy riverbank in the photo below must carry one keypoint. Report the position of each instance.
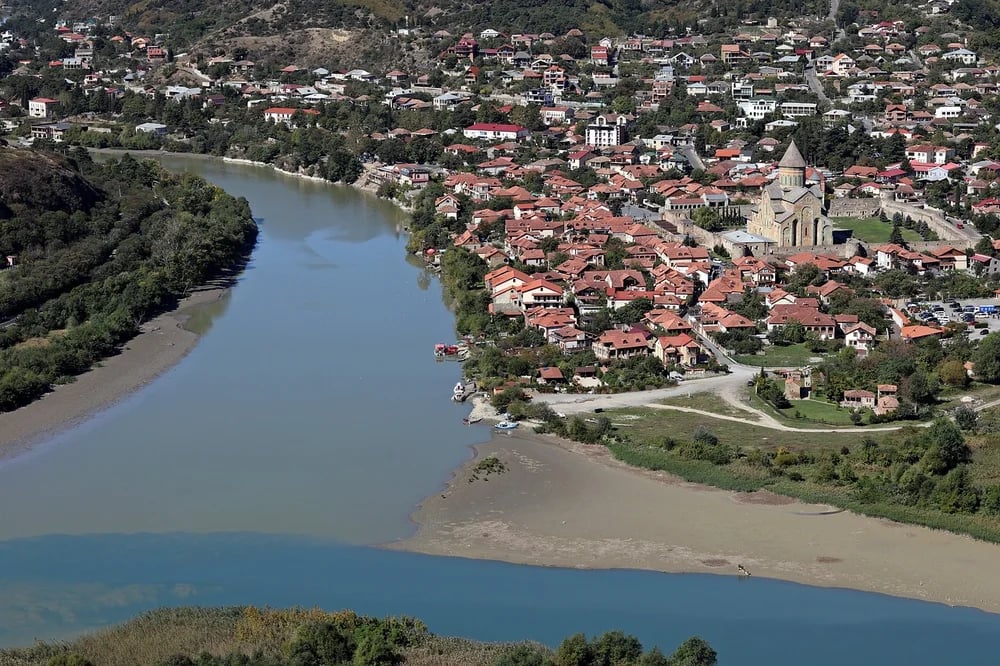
(572, 505)
(161, 344)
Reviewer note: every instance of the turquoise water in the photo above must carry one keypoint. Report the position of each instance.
(307, 423)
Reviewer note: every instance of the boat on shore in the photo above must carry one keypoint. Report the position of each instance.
(506, 425)
(447, 352)
(471, 421)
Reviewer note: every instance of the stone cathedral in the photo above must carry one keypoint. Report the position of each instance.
(789, 212)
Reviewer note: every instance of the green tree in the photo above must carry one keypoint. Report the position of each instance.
(707, 218)
(947, 448)
(574, 651)
(694, 651)
(986, 359)
(319, 644)
(615, 648)
(373, 648)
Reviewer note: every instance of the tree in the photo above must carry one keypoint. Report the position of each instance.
(615, 647)
(966, 418)
(633, 312)
(986, 359)
(373, 648)
(952, 372)
(947, 449)
(707, 218)
(574, 651)
(320, 643)
(694, 651)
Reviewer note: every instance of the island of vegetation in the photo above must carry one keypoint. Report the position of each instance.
(250, 636)
(92, 251)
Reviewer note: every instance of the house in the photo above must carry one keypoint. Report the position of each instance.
(858, 399)
(859, 337)
(964, 56)
(680, 349)
(551, 375)
(930, 154)
(50, 131)
(916, 332)
(607, 130)
(984, 264)
(156, 129)
(42, 107)
(812, 320)
(615, 344)
(570, 339)
(496, 131)
(282, 114)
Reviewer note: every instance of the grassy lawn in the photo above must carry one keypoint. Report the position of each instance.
(819, 412)
(872, 229)
(657, 423)
(792, 356)
(708, 402)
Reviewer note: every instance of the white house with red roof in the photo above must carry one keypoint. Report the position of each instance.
(496, 131)
(42, 107)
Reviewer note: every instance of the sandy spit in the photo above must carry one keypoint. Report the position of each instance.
(572, 505)
(161, 344)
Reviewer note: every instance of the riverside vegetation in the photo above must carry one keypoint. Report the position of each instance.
(945, 476)
(250, 636)
(97, 250)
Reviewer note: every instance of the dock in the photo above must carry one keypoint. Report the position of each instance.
(463, 391)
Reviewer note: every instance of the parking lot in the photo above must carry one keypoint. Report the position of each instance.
(940, 312)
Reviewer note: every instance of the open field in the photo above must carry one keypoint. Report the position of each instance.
(708, 402)
(818, 411)
(653, 424)
(872, 229)
(790, 356)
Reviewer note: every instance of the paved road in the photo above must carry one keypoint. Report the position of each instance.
(574, 403)
(692, 157)
(815, 85)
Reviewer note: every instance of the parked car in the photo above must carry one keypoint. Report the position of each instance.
(984, 331)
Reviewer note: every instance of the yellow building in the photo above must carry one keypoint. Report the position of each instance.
(789, 212)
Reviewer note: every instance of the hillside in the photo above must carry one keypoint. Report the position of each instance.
(349, 33)
(92, 251)
(249, 636)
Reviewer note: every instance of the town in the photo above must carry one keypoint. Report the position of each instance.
(768, 197)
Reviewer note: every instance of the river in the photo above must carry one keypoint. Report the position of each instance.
(308, 422)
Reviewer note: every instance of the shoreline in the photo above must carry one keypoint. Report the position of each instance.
(564, 504)
(162, 343)
(363, 183)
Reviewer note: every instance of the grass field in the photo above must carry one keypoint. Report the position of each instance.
(681, 425)
(792, 356)
(819, 412)
(708, 402)
(872, 229)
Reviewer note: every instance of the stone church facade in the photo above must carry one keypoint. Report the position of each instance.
(789, 213)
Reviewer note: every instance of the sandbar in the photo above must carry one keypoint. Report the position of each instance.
(162, 342)
(565, 504)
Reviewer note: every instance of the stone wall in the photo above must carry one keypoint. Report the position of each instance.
(854, 208)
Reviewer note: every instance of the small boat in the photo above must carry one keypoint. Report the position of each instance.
(468, 421)
(506, 425)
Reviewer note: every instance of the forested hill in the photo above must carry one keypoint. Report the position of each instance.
(89, 252)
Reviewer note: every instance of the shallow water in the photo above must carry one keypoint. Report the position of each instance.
(312, 418)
